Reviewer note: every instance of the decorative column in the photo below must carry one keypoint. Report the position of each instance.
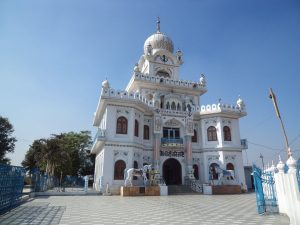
(189, 157)
(156, 151)
(157, 132)
(189, 151)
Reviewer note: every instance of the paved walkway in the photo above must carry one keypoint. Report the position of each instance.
(180, 209)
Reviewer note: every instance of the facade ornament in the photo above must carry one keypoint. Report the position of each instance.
(240, 103)
(105, 84)
(158, 25)
(136, 68)
(202, 80)
(190, 127)
(179, 55)
(157, 124)
(149, 49)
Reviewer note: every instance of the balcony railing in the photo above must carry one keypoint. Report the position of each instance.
(244, 143)
(100, 135)
(171, 142)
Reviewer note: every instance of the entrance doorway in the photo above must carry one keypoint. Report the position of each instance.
(172, 172)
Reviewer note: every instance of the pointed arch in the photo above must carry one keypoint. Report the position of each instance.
(136, 128)
(194, 137)
(173, 106)
(119, 168)
(168, 105)
(146, 132)
(229, 166)
(122, 125)
(212, 134)
(227, 133)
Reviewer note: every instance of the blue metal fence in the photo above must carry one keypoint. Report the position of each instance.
(264, 183)
(11, 186)
(42, 182)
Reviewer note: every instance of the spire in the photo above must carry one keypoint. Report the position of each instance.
(158, 25)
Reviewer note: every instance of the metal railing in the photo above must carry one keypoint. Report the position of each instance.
(244, 143)
(11, 186)
(171, 140)
(101, 133)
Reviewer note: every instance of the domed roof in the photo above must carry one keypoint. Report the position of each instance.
(105, 84)
(158, 40)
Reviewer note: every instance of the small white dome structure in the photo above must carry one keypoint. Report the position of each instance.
(240, 103)
(105, 84)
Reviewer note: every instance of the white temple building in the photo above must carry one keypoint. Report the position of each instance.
(158, 120)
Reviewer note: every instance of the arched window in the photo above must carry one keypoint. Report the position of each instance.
(135, 166)
(120, 166)
(194, 138)
(212, 134)
(227, 133)
(136, 128)
(173, 106)
(146, 132)
(213, 175)
(184, 107)
(168, 105)
(196, 171)
(121, 125)
(189, 108)
(229, 166)
(178, 107)
(162, 74)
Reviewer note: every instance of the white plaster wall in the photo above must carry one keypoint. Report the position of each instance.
(288, 195)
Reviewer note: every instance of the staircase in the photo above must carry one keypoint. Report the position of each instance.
(180, 190)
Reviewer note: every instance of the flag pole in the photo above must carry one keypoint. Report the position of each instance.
(273, 97)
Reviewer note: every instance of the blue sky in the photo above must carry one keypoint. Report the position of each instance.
(55, 54)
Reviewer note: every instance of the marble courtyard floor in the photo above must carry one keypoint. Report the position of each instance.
(175, 209)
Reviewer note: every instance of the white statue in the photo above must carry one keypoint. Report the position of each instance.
(179, 55)
(136, 68)
(240, 103)
(202, 80)
(136, 172)
(149, 49)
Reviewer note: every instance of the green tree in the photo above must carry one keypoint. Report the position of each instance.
(65, 153)
(7, 141)
(34, 157)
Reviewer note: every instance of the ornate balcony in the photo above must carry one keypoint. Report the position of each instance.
(172, 142)
(99, 139)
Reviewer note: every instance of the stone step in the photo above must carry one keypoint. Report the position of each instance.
(180, 189)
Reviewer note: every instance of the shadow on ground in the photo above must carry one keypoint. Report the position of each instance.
(35, 213)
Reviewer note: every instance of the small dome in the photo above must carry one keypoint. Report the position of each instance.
(136, 68)
(105, 84)
(159, 41)
(240, 103)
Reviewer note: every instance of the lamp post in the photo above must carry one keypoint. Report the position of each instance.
(273, 97)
